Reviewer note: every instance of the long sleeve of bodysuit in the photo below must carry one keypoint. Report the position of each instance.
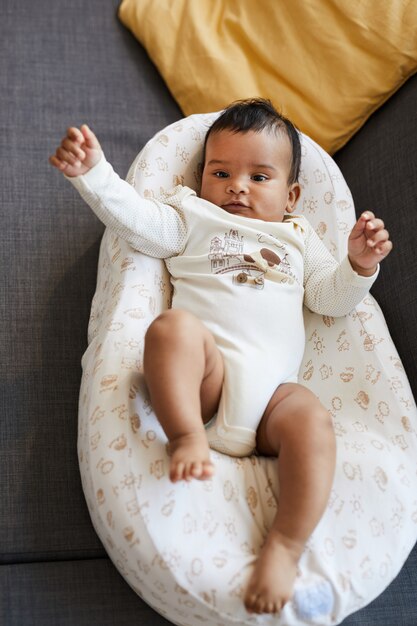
(331, 288)
(154, 228)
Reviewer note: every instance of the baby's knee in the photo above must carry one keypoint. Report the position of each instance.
(318, 428)
(315, 417)
(304, 413)
(170, 326)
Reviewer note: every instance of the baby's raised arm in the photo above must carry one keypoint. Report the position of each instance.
(150, 226)
(368, 244)
(78, 152)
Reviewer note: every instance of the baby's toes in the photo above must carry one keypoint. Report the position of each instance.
(251, 601)
(201, 470)
(177, 471)
(208, 469)
(274, 607)
(195, 469)
(259, 606)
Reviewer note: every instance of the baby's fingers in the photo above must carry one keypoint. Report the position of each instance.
(377, 236)
(374, 225)
(384, 248)
(90, 138)
(380, 243)
(68, 156)
(360, 228)
(73, 148)
(60, 165)
(75, 135)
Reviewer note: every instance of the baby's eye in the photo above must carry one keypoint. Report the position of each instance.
(259, 178)
(221, 174)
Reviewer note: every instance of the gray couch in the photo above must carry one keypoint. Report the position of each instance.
(65, 63)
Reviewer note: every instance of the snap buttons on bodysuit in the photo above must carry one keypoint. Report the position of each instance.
(250, 281)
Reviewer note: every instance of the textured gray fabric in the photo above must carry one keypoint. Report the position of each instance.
(71, 593)
(64, 63)
(380, 166)
(61, 63)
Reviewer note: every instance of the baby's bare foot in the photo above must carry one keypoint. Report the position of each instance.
(272, 581)
(190, 457)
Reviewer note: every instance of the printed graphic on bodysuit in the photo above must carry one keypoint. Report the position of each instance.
(226, 255)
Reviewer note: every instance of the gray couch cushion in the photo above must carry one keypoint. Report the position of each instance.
(70, 62)
(380, 166)
(71, 593)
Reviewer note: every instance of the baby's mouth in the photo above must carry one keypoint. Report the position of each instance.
(234, 207)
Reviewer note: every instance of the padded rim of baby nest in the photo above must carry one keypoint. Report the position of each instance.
(187, 549)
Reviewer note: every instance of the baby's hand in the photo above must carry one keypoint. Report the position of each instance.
(79, 152)
(368, 244)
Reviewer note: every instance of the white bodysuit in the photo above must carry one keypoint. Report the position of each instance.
(245, 279)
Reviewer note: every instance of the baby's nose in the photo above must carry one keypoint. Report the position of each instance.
(237, 185)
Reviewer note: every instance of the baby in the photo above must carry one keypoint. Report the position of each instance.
(221, 365)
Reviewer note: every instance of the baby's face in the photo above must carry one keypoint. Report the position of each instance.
(247, 174)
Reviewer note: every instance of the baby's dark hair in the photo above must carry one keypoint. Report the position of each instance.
(258, 114)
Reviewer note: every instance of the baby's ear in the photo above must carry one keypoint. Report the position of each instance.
(294, 193)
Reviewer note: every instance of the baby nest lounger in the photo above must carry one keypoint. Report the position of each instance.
(188, 549)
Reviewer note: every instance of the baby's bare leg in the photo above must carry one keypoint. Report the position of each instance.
(297, 429)
(184, 373)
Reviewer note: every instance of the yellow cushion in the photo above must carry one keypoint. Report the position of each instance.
(326, 64)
